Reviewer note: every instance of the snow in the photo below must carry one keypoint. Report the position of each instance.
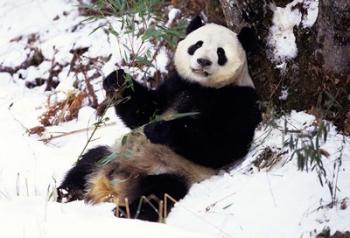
(312, 13)
(281, 202)
(34, 16)
(162, 60)
(48, 219)
(14, 54)
(284, 94)
(247, 201)
(281, 38)
(172, 15)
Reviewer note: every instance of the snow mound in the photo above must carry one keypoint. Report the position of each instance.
(271, 200)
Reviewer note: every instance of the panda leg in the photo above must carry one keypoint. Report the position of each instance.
(74, 184)
(117, 184)
(150, 191)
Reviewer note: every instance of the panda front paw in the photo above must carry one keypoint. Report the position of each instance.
(157, 132)
(114, 80)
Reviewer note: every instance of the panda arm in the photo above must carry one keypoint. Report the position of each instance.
(139, 103)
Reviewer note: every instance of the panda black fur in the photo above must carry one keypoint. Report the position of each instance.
(167, 156)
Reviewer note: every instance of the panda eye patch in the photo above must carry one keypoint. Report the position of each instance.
(194, 47)
(222, 56)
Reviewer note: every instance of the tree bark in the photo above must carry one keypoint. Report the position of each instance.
(317, 78)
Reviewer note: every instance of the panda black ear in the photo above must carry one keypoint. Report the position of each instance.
(194, 24)
(249, 40)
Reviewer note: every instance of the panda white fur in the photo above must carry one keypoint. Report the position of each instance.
(211, 83)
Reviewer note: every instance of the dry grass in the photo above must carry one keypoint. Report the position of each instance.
(268, 159)
(64, 110)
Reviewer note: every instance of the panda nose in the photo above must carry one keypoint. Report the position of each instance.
(204, 62)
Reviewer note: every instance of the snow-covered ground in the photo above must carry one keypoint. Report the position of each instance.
(275, 201)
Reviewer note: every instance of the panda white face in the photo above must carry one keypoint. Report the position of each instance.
(212, 56)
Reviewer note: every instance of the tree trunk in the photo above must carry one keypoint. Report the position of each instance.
(317, 76)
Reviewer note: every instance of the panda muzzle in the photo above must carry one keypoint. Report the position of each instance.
(201, 72)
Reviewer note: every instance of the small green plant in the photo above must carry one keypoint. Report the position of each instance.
(333, 183)
(306, 148)
(141, 22)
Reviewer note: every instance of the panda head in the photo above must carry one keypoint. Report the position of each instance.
(212, 55)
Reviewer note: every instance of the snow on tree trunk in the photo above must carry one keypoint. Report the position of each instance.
(303, 57)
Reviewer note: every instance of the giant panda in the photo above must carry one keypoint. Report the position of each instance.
(215, 97)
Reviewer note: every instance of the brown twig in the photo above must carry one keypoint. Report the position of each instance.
(89, 88)
(46, 140)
